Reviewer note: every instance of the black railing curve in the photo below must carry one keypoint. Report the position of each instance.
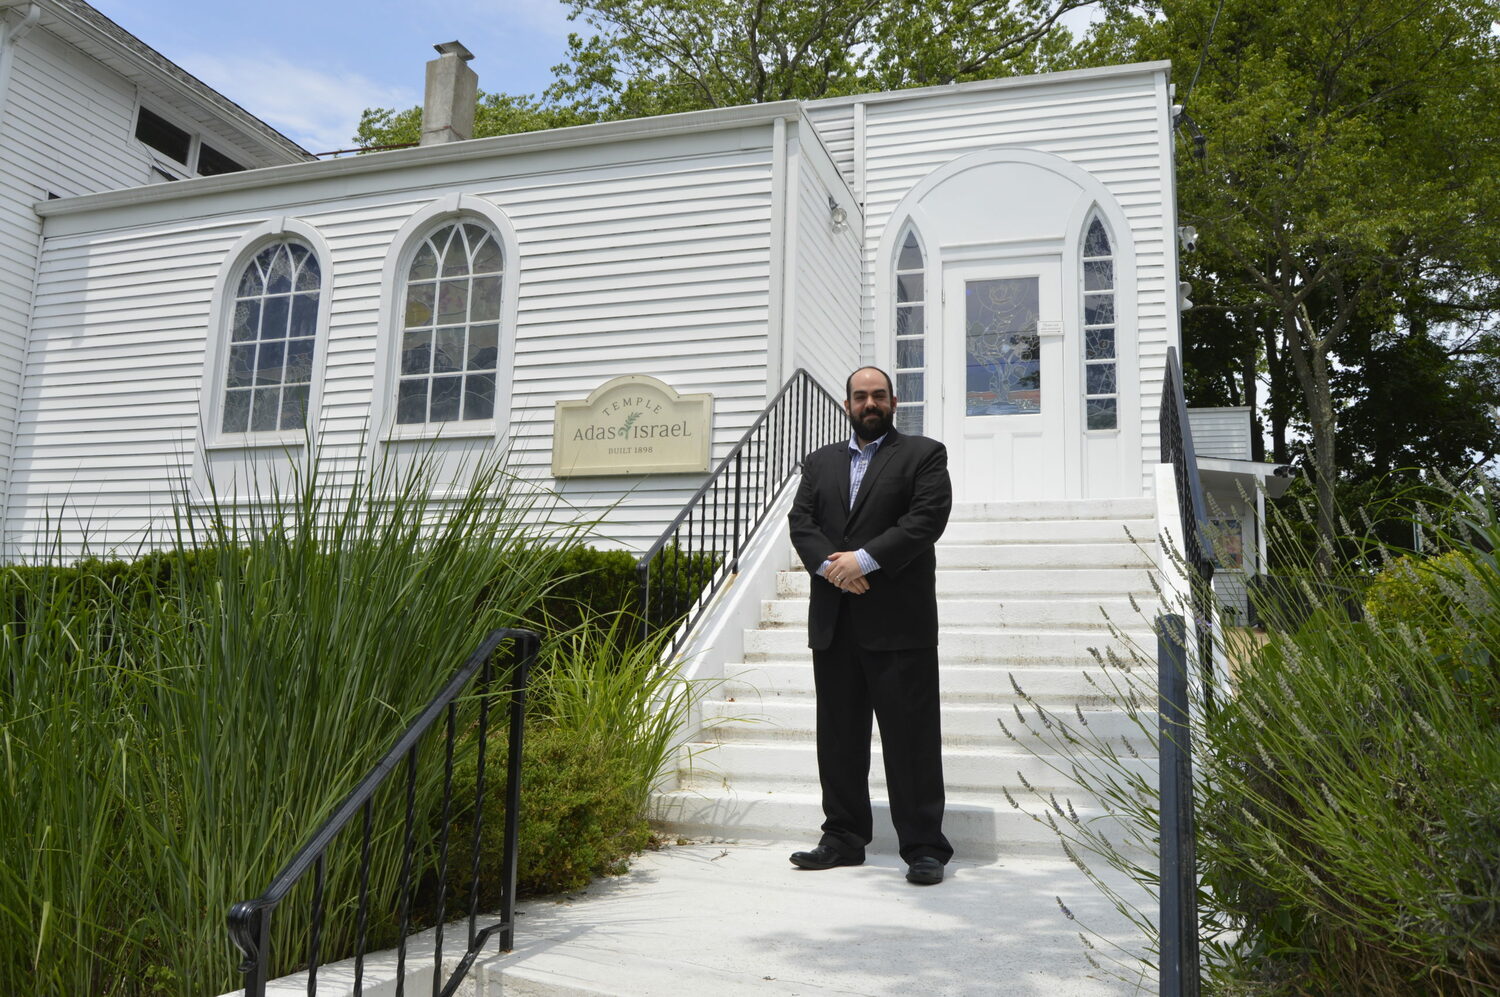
(1178, 969)
(250, 920)
(681, 571)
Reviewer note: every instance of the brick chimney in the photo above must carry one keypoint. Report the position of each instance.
(452, 87)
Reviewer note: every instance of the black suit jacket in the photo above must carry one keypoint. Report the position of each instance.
(901, 510)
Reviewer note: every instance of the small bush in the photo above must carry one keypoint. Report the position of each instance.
(1427, 594)
(602, 728)
(580, 818)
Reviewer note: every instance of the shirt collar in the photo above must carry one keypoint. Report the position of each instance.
(874, 445)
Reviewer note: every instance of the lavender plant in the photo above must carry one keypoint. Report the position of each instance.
(1347, 789)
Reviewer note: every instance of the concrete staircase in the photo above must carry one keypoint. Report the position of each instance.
(1021, 586)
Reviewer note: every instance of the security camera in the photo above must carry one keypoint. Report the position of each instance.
(1187, 237)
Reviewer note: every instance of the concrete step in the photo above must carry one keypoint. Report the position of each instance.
(956, 644)
(1002, 583)
(1007, 613)
(1049, 510)
(1059, 687)
(768, 765)
(1042, 555)
(1062, 531)
(981, 826)
(781, 720)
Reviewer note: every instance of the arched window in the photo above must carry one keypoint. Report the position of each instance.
(450, 326)
(272, 338)
(1100, 374)
(911, 334)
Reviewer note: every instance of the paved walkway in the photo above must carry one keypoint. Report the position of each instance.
(722, 920)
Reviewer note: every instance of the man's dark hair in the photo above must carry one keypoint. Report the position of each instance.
(849, 381)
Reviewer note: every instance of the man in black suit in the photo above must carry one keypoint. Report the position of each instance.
(864, 522)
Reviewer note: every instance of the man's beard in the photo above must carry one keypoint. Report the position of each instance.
(872, 428)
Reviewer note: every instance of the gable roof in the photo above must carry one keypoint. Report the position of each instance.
(89, 31)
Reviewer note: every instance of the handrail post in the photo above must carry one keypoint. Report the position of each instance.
(739, 497)
(526, 648)
(1178, 970)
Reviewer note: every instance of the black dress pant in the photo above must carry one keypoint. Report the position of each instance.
(900, 688)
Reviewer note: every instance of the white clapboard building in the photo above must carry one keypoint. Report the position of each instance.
(189, 299)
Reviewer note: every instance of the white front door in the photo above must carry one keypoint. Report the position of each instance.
(1001, 385)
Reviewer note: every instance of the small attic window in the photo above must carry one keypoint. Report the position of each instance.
(212, 162)
(181, 146)
(163, 136)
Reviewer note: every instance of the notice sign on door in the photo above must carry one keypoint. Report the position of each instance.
(633, 424)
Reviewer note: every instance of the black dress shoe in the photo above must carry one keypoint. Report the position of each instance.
(826, 857)
(925, 871)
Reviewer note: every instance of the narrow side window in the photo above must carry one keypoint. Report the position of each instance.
(1100, 374)
(910, 277)
(450, 326)
(273, 331)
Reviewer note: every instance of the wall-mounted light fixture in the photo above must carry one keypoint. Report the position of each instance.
(838, 218)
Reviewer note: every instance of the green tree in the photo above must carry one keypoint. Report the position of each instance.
(1351, 169)
(494, 114)
(647, 57)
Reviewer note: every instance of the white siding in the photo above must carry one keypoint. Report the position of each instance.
(824, 271)
(1110, 123)
(1221, 432)
(656, 266)
(67, 129)
(835, 124)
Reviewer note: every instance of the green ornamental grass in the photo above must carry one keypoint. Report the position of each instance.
(173, 728)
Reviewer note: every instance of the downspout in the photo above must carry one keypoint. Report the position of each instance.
(10, 37)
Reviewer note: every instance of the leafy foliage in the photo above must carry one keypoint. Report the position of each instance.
(639, 58)
(1346, 202)
(602, 728)
(172, 728)
(1346, 788)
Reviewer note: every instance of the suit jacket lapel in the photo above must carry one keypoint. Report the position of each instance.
(877, 464)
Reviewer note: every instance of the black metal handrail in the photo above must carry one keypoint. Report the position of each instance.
(1178, 968)
(1177, 450)
(250, 920)
(681, 571)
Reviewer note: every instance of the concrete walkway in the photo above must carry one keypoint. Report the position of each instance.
(722, 920)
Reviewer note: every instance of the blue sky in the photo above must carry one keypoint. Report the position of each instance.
(308, 68)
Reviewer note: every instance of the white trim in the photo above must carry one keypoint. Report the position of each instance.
(215, 346)
(1128, 372)
(778, 289)
(1082, 360)
(10, 40)
(1010, 82)
(497, 147)
(859, 153)
(890, 305)
(1093, 197)
(392, 292)
(1166, 141)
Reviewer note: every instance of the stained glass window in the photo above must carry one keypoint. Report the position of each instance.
(272, 337)
(911, 335)
(1002, 347)
(1100, 381)
(450, 329)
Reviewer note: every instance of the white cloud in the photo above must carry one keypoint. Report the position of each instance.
(317, 108)
(548, 18)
